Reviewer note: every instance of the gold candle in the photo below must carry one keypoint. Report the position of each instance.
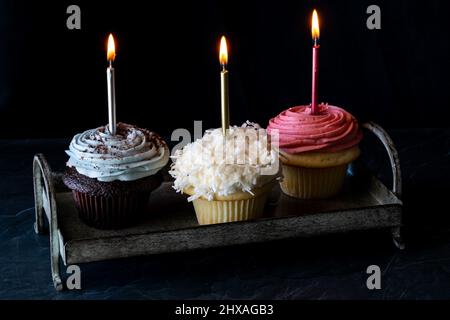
(223, 57)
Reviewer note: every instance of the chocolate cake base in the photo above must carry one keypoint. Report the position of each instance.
(110, 205)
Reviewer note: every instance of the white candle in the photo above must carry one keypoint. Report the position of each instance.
(110, 80)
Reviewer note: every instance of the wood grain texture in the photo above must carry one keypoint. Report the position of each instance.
(171, 224)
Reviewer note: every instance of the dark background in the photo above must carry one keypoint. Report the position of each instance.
(53, 81)
(52, 84)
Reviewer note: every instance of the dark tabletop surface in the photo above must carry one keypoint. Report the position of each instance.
(330, 267)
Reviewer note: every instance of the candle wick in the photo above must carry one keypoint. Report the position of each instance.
(316, 41)
(223, 67)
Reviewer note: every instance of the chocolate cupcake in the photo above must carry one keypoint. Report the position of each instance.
(112, 176)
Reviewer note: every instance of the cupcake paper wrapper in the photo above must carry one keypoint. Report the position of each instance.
(111, 212)
(313, 183)
(214, 212)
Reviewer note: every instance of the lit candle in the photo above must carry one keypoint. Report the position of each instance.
(315, 66)
(110, 80)
(223, 58)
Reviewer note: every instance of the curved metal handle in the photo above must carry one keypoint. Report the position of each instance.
(44, 192)
(45, 204)
(392, 152)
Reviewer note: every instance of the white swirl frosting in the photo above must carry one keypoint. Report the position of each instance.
(213, 165)
(131, 154)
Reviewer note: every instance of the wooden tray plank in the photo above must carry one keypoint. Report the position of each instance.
(172, 226)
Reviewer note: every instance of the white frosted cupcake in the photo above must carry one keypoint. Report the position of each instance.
(228, 179)
(112, 176)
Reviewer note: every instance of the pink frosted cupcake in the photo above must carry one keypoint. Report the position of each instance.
(315, 150)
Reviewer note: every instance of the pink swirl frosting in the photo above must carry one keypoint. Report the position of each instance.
(332, 129)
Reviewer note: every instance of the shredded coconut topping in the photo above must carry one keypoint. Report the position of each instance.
(243, 160)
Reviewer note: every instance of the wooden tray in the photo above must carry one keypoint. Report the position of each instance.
(365, 203)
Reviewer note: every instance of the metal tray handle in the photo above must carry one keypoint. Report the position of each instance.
(396, 172)
(384, 137)
(45, 203)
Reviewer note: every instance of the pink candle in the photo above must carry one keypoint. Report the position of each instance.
(315, 66)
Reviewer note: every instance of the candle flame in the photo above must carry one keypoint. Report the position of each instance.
(315, 30)
(223, 54)
(111, 55)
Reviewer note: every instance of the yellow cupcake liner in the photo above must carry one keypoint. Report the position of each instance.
(214, 212)
(241, 206)
(313, 183)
